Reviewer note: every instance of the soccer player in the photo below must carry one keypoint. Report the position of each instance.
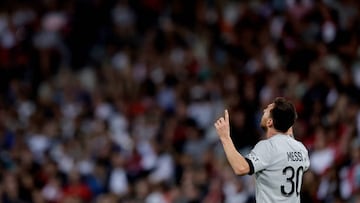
(278, 161)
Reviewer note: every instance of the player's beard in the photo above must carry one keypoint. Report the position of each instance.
(263, 124)
(263, 127)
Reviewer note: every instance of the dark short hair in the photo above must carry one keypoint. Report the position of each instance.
(283, 114)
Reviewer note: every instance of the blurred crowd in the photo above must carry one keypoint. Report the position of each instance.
(110, 101)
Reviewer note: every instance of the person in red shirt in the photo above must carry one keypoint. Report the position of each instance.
(75, 187)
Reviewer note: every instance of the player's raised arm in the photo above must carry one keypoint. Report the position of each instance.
(236, 160)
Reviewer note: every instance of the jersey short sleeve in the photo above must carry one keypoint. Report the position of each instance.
(260, 156)
(307, 161)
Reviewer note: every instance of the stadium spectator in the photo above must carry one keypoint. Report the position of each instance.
(114, 100)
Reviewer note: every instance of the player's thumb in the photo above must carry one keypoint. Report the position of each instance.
(226, 116)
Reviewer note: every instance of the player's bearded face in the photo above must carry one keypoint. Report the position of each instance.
(266, 117)
(263, 123)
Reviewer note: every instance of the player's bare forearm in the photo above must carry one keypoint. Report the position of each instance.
(236, 160)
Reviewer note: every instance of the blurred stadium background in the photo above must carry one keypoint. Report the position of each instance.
(114, 100)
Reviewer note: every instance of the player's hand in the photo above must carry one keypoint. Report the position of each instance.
(222, 126)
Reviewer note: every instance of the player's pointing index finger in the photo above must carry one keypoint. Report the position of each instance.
(226, 116)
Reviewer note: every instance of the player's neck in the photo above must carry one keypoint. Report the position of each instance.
(271, 132)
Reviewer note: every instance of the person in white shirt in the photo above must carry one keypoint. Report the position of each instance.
(278, 161)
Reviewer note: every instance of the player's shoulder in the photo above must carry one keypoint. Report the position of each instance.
(266, 144)
(301, 145)
(293, 140)
(298, 143)
(283, 141)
